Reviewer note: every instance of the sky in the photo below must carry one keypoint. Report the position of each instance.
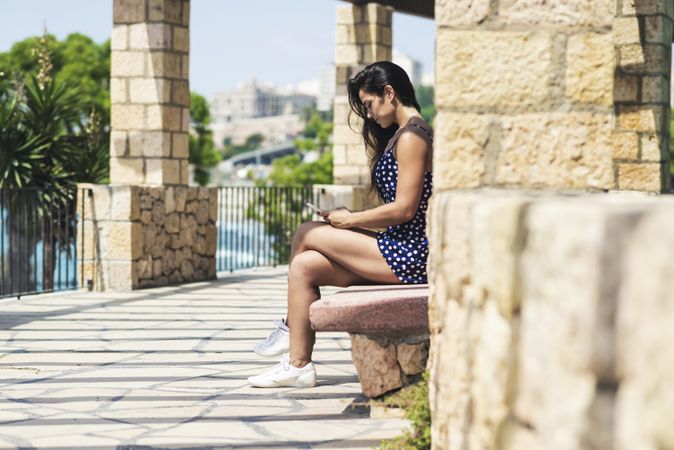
(284, 42)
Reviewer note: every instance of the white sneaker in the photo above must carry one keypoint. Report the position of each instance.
(277, 343)
(285, 374)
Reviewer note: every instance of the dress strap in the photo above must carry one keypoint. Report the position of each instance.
(428, 134)
(394, 139)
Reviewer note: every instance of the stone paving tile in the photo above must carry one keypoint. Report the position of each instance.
(166, 368)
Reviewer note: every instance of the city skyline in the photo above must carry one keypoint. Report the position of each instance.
(247, 44)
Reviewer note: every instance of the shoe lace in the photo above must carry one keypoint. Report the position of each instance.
(272, 337)
(285, 361)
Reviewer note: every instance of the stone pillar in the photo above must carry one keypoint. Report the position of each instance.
(643, 38)
(554, 94)
(551, 318)
(148, 228)
(533, 294)
(149, 92)
(363, 36)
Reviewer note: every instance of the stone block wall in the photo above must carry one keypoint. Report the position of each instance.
(551, 319)
(643, 38)
(550, 313)
(566, 94)
(149, 91)
(363, 36)
(141, 236)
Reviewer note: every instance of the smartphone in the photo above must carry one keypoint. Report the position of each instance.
(314, 207)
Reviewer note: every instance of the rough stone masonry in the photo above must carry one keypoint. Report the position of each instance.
(551, 309)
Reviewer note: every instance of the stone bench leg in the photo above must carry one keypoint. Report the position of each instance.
(386, 363)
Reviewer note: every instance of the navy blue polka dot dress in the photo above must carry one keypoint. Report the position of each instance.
(404, 246)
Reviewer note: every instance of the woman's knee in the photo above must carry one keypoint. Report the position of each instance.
(306, 265)
(304, 231)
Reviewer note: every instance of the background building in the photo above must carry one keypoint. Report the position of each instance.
(275, 129)
(411, 66)
(255, 99)
(326, 88)
(262, 108)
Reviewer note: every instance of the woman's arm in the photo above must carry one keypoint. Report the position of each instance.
(411, 152)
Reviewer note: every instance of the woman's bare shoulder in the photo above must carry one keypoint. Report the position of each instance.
(411, 146)
(414, 138)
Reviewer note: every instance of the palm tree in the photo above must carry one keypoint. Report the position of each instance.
(46, 145)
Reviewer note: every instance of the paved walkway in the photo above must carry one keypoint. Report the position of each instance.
(166, 368)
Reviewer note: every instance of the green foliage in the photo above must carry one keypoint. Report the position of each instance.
(283, 217)
(21, 149)
(414, 400)
(77, 62)
(54, 111)
(200, 114)
(91, 163)
(305, 145)
(47, 138)
(55, 99)
(202, 149)
(253, 142)
(425, 98)
(281, 210)
(291, 171)
(318, 130)
(47, 142)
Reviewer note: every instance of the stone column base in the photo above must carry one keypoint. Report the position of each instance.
(133, 237)
(384, 363)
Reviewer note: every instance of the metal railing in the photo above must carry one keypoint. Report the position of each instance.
(39, 233)
(38, 241)
(256, 224)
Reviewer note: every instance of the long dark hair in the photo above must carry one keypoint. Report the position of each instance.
(372, 79)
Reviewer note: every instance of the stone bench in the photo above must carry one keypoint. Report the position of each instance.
(388, 325)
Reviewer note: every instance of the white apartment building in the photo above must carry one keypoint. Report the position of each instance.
(326, 88)
(411, 66)
(254, 99)
(276, 129)
(258, 108)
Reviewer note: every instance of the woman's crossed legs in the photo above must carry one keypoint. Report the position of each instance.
(322, 255)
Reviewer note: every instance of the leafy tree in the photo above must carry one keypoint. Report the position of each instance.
(313, 126)
(47, 143)
(54, 134)
(291, 171)
(305, 145)
(21, 148)
(425, 98)
(253, 142)
(317, 132)
(76, 61)
(200, 113)
(202, 149)
(294, 179)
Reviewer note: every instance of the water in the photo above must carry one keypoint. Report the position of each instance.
(65, 262)
(243, 245)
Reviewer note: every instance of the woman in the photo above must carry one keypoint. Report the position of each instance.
(341, 251)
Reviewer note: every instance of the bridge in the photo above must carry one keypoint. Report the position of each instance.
(263, 156)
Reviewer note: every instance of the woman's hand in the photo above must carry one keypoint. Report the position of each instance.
(338, 218)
